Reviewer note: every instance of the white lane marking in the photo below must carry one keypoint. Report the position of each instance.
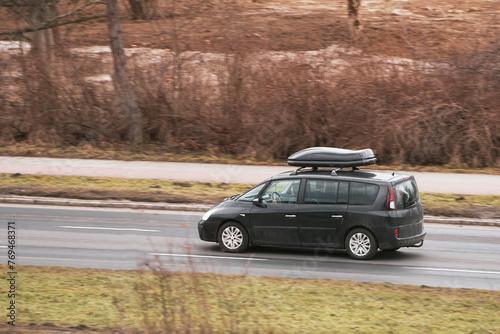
(110, 228)
(210, 257)
(73, 260)
(457, 270)
(3, 246)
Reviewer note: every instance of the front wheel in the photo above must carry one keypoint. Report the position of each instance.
(361, 244)
(233, 238)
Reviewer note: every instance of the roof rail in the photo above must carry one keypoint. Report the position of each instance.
(334, 171)
(297, 171)
(314, 169)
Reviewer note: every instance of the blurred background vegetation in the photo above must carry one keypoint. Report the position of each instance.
(416, 81)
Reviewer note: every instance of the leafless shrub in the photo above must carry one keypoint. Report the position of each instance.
(187, 303)
(251, 104)
(54, 103)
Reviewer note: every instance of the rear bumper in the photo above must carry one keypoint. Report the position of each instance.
(408, 242)
(405, 240)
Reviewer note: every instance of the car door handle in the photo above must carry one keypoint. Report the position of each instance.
(290, 216)
(337, 216)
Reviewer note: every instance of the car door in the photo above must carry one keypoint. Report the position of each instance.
(321, 212)
(273, 216)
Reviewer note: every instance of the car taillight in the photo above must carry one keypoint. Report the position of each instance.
(390, 204)
(396, 232)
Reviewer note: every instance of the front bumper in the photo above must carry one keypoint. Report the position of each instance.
(206, 231)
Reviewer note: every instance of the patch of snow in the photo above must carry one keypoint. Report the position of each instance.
(99, 78)
(8, 46)
(92, 49)
(404, 12)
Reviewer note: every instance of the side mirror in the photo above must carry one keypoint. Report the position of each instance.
(259, 202)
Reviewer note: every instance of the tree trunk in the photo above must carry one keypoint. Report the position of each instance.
(121, 80)
(37, 14)
(138, 10)
(353, 8)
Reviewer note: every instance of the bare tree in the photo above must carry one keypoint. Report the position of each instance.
(36, 14)
(141, 9)
(42, 18)
(121, 78)
(353, 8)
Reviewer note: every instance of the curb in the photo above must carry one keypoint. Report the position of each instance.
(122, 204)
(462, 221)
(125, 204)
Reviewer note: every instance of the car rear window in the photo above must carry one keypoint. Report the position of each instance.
(406, 194)
(362, 193)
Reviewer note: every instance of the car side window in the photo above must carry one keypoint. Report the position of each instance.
(321, 192)
(362, 193)
(282, 191)
(251, 194)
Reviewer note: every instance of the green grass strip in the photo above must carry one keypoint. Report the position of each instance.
(477, 206)
(210, 303)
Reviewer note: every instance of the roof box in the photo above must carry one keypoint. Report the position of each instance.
(331, 157)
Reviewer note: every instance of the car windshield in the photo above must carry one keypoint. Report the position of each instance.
(406, 194)
(251, 194)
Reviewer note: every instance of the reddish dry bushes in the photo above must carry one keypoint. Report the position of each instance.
(447, 114)
(55, 104)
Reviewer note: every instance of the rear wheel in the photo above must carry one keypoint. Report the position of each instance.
(233, 238)
(361, 244)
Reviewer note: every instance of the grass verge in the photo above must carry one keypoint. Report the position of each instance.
(207, 193)
(114, 188)
(477, 206)
(163, 301)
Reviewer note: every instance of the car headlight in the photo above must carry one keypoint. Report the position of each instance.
(208, 214)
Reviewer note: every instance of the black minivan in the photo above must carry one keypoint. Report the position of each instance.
(357, 210)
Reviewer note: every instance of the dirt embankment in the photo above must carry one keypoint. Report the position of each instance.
(390, 27)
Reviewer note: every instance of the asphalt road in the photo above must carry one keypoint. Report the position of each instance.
(458, 257)
(467, 184)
